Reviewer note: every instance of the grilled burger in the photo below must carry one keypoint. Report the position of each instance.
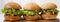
(49, 11)
(31, 11)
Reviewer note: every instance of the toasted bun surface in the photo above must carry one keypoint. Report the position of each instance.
(48, 5)
(12, 5)
(31, 6)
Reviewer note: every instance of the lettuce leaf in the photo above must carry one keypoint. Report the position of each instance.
(2, 10)
(51, 10)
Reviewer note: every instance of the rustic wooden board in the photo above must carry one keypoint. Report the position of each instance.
(55, 20)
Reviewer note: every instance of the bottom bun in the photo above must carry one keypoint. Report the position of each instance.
(33, 17)
(12, 17)
(49, 15)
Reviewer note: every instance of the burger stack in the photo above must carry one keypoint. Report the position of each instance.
(12, 11)
(31, 11)
(49, 11)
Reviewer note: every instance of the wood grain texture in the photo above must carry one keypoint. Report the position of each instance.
(56, 20)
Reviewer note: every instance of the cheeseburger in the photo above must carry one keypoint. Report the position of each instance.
(31, 11)
(49, 11)
(12, 11)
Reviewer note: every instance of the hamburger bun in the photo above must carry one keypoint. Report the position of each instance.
(34, 17)
(49, 15)
(10, 5)
(11, 18)
(31, 6)
(48, 5)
